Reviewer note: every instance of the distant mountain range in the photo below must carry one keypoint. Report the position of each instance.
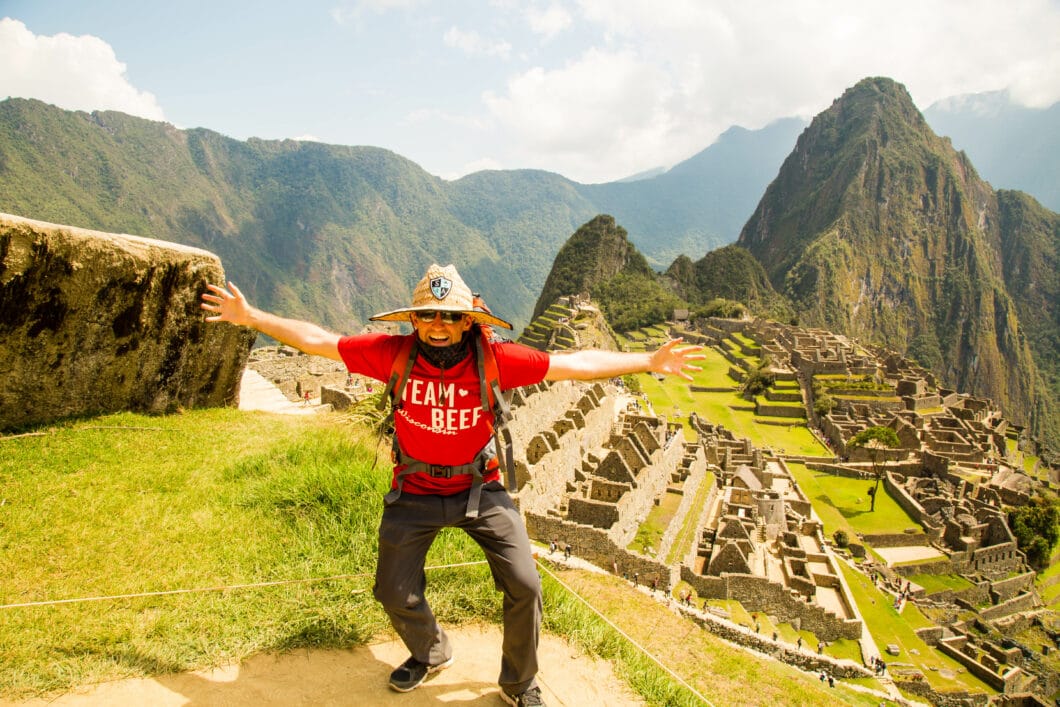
(877, 228)
(961, 276)
(1011, 146)
(336, 233)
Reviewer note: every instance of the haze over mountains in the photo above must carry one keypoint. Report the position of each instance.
(335, 233)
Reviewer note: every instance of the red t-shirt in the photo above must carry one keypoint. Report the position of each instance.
(441, 420)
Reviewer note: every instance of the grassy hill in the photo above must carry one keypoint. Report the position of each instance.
(283, 511)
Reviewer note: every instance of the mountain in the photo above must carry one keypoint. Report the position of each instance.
(326, 232)
(701, 203)
(729, 273)
(1012, 146)
(336, 233)
(878, 228)
(600, 260)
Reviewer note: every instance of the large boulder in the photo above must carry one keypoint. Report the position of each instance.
(96, 322)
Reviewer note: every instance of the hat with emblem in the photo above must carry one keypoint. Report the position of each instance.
(442, 290)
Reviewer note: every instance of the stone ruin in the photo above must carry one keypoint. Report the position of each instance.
(952, 474)
(595, 460)
(93, 322)
(759, 541)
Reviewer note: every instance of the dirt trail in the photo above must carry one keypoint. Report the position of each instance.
(336, 678)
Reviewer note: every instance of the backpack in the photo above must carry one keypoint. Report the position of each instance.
(490, 395)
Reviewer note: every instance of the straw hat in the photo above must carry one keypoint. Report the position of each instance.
(442, 290)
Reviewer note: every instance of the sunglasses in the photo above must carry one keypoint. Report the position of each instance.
(447, 317)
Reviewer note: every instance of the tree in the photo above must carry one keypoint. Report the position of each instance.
(1036, 527)
(759, 378)
(875, 440)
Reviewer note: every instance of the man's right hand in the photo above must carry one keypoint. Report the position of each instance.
(228, 306)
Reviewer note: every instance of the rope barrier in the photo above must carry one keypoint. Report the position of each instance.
(625, 635)
(222, 588)
(339, 577)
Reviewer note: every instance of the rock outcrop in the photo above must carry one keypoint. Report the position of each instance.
(95, 322)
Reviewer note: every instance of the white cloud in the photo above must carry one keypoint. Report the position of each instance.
(585, 116)
(347, 13)
(664, 79)
(423, 116)
(550, 21)
(76, 73)
(471, 42)
(479, 165)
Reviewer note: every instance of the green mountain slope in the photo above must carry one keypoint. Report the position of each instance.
(730, 273)
(878, 228)
(600, 260)
(1030, 258)
(328, 232)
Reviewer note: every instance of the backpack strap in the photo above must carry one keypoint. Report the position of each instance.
(475, 467)
(493, 399)
(400, 370)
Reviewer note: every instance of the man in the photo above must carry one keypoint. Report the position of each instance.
(446, 473)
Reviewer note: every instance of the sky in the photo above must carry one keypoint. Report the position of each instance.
(595, 90)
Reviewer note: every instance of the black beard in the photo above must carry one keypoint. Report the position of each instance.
(445, 356)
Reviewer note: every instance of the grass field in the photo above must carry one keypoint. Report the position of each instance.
(131, 505)
(649, 534)
(722, 674)
(843, 504)
(723, 408)
(888, 626)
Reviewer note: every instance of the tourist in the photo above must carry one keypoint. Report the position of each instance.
(446, 455)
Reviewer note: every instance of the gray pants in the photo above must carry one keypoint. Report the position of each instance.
(406, 532)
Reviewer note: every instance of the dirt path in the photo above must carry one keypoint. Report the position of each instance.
(257, 393)
(359, 677)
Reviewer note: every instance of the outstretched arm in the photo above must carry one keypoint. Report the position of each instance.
(591, 364)
(229, 305)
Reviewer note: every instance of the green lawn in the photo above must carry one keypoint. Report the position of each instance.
(791, 436)
(687, 534)
(843, 503)
(934, 583)
(888, 627)
(649, 534)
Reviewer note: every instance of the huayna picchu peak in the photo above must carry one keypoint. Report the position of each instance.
(877, 228)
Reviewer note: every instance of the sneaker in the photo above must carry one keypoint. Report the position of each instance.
(411, 674)
(531, 697)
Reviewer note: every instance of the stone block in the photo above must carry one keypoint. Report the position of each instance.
(577, 418)
(93, 323)
(562, 426)
(537, 449)
(336, 398)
